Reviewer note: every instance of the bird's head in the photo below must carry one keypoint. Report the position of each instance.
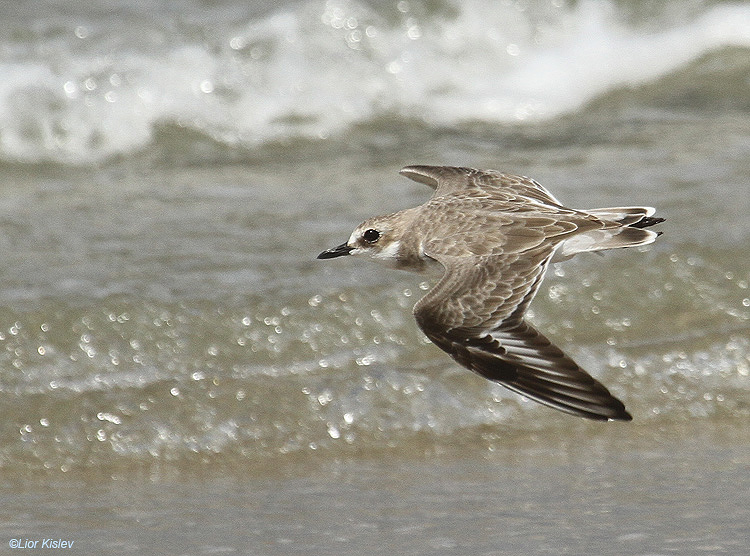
(378, 238)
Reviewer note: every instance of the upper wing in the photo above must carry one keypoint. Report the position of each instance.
(475, 314)
(449, 179)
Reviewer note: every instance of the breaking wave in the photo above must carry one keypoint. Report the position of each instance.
(82, 90)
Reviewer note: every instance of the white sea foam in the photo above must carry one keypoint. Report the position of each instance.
(316, 68)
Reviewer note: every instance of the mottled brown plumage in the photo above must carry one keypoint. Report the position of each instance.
(490, 236)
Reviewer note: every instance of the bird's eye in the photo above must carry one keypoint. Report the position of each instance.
(371, 236)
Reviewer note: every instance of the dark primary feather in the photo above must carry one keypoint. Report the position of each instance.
(525, 361)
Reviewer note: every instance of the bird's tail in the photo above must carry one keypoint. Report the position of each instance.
(635, 217)
(630, 233)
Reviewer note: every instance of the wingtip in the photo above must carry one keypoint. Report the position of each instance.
(610, 409)
(420, 173)
(622, 415)
(612, 413)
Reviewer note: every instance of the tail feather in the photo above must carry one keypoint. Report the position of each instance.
(627, 216)
(647, 221)
(630, 232)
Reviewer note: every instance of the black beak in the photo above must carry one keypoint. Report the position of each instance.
(339, 251)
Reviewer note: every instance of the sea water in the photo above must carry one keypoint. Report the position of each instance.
(178, 374)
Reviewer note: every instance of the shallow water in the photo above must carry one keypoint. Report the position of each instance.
(624, 492)
(179, 374)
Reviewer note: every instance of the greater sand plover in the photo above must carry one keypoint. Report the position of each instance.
(491, 236)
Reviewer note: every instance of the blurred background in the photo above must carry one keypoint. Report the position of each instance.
(174, 361)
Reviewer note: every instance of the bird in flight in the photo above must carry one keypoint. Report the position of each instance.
(490, 237)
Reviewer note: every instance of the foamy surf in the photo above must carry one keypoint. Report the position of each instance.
(317, 69)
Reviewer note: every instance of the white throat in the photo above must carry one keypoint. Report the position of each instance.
(390, 253)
